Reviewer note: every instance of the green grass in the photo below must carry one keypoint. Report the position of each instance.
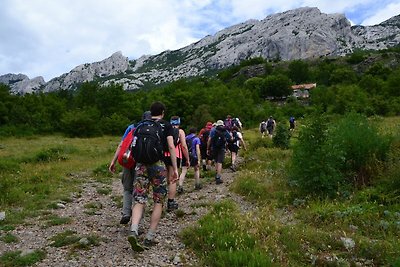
(9, 238)
(15, 258)
(38, 171)
(296, 230)
(70, 239)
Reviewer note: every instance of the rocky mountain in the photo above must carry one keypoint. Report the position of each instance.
(21, 83)
(301, 33)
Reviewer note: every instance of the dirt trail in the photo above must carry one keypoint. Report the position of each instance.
(114, 250)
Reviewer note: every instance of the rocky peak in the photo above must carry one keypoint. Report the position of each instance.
(301, 33)
(113, 65)
(21, 84)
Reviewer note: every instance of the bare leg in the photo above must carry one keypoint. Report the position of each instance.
(183, 175)
(156, 216)
(171, 185)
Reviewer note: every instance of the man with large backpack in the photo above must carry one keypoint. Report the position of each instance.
(204, 135)
(128, 169)
(151, 139)
(217, 143)
(271, 124)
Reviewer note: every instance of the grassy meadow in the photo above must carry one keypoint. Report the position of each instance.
(285, 229)
(362, 229)
(37, 171)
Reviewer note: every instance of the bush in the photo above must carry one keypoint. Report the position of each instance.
(282, 136)
(314, 166)
(114, 125)
(363, 148)
(345, 154)
(82, 123)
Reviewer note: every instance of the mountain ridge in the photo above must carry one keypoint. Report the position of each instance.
(302, 33)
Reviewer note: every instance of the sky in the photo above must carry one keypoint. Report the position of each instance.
(50, 37)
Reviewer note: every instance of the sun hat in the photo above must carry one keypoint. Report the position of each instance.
(219, 123)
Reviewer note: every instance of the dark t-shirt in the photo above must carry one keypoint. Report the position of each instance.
(167, 131)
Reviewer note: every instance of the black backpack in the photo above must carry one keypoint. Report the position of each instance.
(270, 123)
(189, 142)
(147, 146)
(219, 140)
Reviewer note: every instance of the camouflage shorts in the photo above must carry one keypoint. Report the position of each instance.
(151, 175)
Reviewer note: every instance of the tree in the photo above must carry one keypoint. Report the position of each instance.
(275, 86)
(298, 71)
(343, 75)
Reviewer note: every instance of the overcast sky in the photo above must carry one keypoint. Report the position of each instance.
(50, 37)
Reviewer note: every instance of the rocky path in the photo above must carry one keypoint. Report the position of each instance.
(103, 222)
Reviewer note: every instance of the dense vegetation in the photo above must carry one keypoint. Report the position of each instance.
(330, 199)
(367, 83)
(326, 194)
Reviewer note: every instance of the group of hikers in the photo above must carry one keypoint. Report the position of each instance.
(151, 153)
(268, 126)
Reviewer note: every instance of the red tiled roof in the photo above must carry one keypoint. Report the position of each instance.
(304, 86)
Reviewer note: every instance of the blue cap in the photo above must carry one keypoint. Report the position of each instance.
(175, 122)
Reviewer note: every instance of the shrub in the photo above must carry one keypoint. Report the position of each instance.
(114, 125)
(363, 148)
(313, 169)
(282, 137)
(347, 153)
(81, 123)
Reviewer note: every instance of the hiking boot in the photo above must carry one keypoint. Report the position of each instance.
(180, 190)
(133, 240)
(198, 186)
(147, 243)
(125, 219)
(218, 179)
(172, 205)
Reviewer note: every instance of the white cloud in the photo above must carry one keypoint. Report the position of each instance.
(383, 14)
(48, 38)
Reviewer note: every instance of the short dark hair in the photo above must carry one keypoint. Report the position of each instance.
(192, 130)
(157, 108)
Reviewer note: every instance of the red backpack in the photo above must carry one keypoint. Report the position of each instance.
(125, 158)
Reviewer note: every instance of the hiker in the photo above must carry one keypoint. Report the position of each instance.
(292, 123)
(228, 123)
(204, 135)
(128, 175)
(236, 122)
(217, 143)
(151, 139)
(234, 146)
(271, 124)
(193, 143)
(181, 150)
(263, 128)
